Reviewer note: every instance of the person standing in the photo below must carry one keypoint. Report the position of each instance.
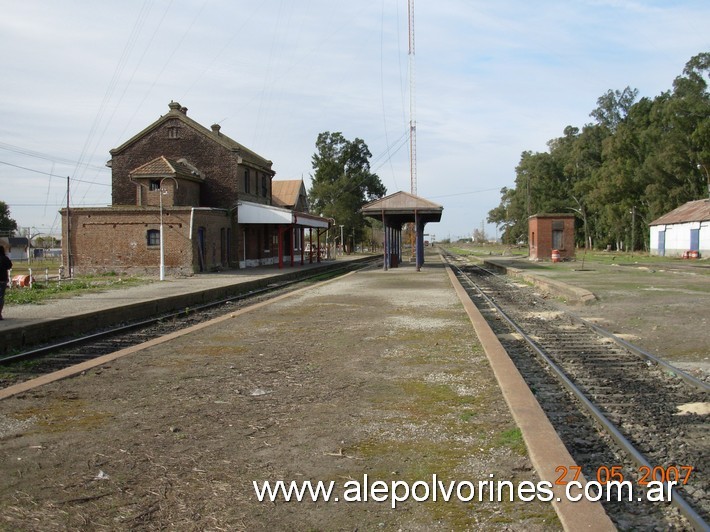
(5, 265)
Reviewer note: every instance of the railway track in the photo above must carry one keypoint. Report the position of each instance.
(26, 365)
(615, 406)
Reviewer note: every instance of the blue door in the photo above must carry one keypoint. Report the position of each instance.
(695, 240)
(662, 243)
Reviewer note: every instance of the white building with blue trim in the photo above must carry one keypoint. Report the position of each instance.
(685, 229)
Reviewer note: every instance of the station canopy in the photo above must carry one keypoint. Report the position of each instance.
(403, 207)
(396, 210)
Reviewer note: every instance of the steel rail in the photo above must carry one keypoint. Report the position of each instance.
(703, 386)
(683, 506)
(44, 350)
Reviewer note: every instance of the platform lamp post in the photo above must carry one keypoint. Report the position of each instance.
(162, 246)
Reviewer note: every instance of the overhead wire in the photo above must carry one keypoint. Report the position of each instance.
(120, 66)
(75, 179)
(46, 157)
(382, 89)
(128, 83)
(165, 64)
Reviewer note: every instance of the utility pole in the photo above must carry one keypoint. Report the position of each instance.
(342, 243)
(633, 228)
(69, 261)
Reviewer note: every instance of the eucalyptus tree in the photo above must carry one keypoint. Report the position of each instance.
(342, 182)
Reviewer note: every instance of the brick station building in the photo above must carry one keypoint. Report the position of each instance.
(551, 231)
(218, 201)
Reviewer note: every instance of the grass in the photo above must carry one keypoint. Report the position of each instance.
(512, 438)
(64, 414)
(42, 291)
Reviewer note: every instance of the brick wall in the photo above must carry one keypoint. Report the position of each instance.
(217, 164)
(540, 236)
(115, 240)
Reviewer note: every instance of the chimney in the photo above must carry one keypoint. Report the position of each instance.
(174, 106)
(183, 110)
(215, 129)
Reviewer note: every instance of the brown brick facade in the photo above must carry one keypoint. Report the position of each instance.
(117, 240)
(201, 177)
(551, 231)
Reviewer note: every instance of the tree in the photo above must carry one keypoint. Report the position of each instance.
(342, 183)
(640, 160)
(7, 224)
(613, 107)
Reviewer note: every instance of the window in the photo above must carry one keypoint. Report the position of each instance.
(154, 184)
(153, 237)
(247, 181)
(264, 186)
(174, 132)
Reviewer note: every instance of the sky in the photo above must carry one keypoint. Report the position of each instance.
(491, 80)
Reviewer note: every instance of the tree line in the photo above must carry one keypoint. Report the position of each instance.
(638, 160)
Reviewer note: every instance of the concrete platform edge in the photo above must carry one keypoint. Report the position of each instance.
(25, 336)
(574, 294)
(89, 364)
(545, 449)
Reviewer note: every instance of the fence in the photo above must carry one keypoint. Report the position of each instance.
(28, 280)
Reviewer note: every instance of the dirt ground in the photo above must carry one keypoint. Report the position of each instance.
(377, 374)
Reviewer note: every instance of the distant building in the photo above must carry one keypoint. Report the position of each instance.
(18, 248)
(686, 228)
(547, 232)
(215, 198)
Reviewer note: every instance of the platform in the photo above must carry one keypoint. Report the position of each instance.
(27, 325)
(375, 375)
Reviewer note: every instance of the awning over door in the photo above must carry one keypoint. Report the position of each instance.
(256, 213)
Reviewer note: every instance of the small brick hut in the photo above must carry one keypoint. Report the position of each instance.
(551, 231)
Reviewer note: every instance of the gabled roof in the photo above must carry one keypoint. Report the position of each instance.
(403, 207)
(162, 166)
(215, 135)
(285, 193)
(402, 201)
(693, 211)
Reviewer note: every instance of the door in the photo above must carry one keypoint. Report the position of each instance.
(662, 243)
(695, 240)
(201, 248)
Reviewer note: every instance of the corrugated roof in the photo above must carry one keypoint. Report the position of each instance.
(401, 201)
(693, 211)
(285, 192)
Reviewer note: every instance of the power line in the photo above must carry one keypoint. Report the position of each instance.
(55, 175)
(46, 157)
(466, 193)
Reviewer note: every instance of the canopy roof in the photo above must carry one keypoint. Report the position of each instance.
(256, 213)
(403, 207)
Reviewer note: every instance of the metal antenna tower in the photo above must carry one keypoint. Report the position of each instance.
(412, 104)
